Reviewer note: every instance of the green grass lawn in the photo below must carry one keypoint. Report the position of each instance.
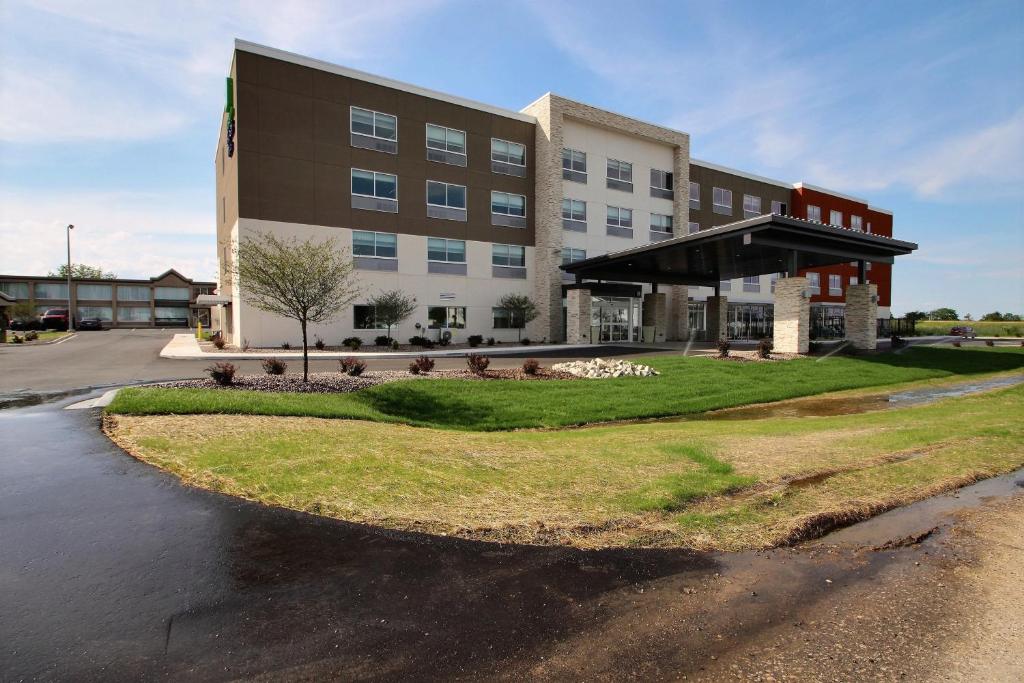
(699, 483)
(686, 385)
(48, 335)
(982, 329)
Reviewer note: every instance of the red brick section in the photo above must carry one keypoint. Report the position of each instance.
(881, 224)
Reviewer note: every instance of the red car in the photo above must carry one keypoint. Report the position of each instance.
(54, 319)
(965, 331)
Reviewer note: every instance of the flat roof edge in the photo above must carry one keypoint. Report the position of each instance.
(816, 188)
(741, 174)
(321, 65)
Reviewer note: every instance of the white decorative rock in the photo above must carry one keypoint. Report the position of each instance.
(600, 368)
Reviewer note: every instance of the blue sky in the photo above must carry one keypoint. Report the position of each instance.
(109, 117)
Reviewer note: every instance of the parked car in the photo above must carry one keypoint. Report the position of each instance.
(89, 324)
(54, 319)
(965, 331)
(32, 324)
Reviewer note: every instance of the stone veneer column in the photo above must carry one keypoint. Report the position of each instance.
(862, 316)
(792, 315)
(655, 312)
(716, 311)
(577, 318)
(679, 314)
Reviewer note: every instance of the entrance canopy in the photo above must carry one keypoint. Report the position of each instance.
(755, 246)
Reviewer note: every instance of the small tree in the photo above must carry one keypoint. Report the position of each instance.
(943, 314)
(23, 312)
(994, 317)
(914, 316)
(521, 310)
(82, 271)
(392, 308)
(308, 281)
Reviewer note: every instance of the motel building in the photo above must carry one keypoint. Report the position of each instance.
(605, 221)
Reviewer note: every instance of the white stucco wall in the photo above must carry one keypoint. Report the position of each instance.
(477, 291)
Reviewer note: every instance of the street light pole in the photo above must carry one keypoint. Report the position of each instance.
(71, 318)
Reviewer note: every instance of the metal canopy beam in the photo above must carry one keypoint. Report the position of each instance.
(840, 253)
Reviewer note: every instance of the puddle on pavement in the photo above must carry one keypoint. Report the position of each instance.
(24, 400)
(817, 406)
(918, 519)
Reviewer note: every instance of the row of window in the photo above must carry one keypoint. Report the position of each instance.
(753, 283)
(618, 174)
(384, 186)
(575, 211)
(721, 202)
(451, 317)
(836, 218)
(128, 314)
(59, 290)
(384, 245)
(382, 130)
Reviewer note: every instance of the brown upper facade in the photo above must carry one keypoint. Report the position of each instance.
(304, 127)
(719, 195)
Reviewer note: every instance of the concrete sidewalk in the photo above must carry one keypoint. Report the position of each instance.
(186, 347)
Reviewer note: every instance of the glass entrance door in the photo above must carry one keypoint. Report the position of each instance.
(613, 317)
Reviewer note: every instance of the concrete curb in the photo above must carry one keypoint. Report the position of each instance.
(186, 347)
(38, 343)
(99, 402)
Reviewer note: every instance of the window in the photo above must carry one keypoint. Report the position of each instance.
(835, 285)
(853, 279)
(751, 206)
(446, 194)
(619, 217)
(132, 293)
(453, 317)
(133, 314)
(693, 227)
(51, 290)
(778, 208)
(449, 251)
(94, 292)
(813, 213)
(172, 293)
(506, 152)
(365, 318)
(574, 165)
(508, 204)
(814, 279)
(722, 201)
(505, 319)
(574, 210)
(774, 279)
(374, 124)
(104, 313)
(18, 290)
(511, 255)
(374, 244)
(374, 184)
(869, 227)
(857, 223)
(170, 314)
(570, 255)
(725, 286)
(835, 218)
(661, 223)
(752, 283)
(620, 175)
(205, 289)
(446, 139)
(694, 195)
(661, 184)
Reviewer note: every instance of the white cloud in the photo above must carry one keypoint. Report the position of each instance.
(131, 234)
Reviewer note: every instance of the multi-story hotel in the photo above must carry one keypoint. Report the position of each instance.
(458, 203)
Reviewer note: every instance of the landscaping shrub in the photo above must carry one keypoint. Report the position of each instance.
(424, 363)
(897, 342)
(764, 348)
(475, 340)
(356, 367)
(18, 339)
(352, 343)
(531, 366)
(219, 343)
(957, 344)
(477, 363)
(222, 373)
(286, 346)
(273, 366)
(383, 340)
(490, 341)
(723, 348)
(345, 363)
(525, 341)
(989, 342)
(417, 340)
(319, 344)
(413, 368)
(31, 335)
(444, 341)
(394, 344)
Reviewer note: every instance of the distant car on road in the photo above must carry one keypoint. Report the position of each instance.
(965, 331)
(89, 324)
(54, 319)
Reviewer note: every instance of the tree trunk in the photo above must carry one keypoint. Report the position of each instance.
(305, 354)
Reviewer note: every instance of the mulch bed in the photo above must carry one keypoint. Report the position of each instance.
(337, 383)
